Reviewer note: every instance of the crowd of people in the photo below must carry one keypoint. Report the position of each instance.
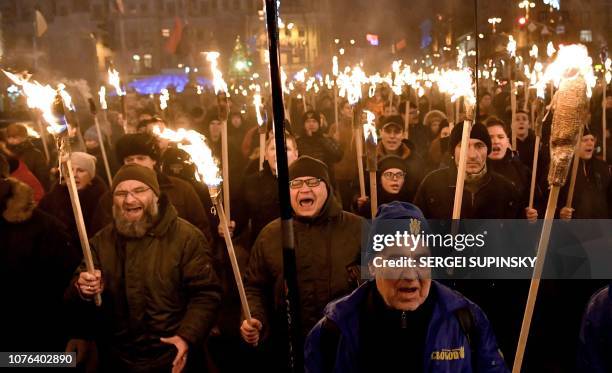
(169, 298)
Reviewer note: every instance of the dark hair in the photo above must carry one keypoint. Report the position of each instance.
(402, 107)
(493, 121)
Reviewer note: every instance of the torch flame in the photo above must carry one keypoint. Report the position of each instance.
(257, 103)
(571, 61)
(369, 131)
(218, 83)
(39, 97)
(335, 65)
(550, 49)
(458, 83)
(102, 95)
(115, 81)
(164, 97)
(194, 143)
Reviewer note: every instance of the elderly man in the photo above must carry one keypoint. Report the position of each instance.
(402, 320)
(143, 149)
(159, 290)
(327, 246)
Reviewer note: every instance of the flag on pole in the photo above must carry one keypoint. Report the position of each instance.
(175, 37)
(41, 24)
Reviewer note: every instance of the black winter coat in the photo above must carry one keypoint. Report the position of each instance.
(593, 191)
(37, 258)
(496, 198)
(57, 203)
(160, 285)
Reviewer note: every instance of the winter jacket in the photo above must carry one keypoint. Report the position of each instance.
(596, 334)
(516, 173)
(526, 148)
(180, 194)
(160, 285)
(495, 199)
(57, 202)
(327, 248)
(23, 174)
(323, 148)
(592, 197)
(37, 259)
(35, 160)
(446, 348)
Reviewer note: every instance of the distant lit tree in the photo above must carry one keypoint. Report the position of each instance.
(240, 63)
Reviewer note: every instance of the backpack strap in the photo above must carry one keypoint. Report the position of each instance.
(466, 321)
(330, 337)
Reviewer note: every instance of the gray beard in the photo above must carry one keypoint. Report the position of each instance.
(136, 229)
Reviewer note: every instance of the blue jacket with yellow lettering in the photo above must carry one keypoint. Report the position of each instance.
(596, 334)
(447, 348)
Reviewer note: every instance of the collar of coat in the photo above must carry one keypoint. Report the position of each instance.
(451, 176)
(20, 204)
(403, 152)
(344, 312)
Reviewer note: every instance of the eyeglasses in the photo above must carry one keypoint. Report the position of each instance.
(393, 176)
(298, 183)
(135, 193)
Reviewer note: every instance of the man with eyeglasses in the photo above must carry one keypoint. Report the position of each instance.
(327, 249)
(143, 149)
(160, 292)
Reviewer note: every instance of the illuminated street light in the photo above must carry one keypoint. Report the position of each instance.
(526, 4)
(494, 21)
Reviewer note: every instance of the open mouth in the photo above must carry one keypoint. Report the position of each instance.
(133, 210)
(306, 202)
(408, 289)
(496, 148)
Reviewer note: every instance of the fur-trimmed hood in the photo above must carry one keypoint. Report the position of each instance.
(19, 203)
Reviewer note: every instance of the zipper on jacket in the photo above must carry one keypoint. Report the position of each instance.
(404, 321)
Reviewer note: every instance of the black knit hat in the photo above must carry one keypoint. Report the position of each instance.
(137, 144)
(136, 172)
(391, 161)
(479, 131)
(308, 166)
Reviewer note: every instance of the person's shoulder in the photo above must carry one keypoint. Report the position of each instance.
(437, 177)
(271, 229)
(600, 301)
(178, 182)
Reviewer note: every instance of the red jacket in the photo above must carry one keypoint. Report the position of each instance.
(23, 174)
